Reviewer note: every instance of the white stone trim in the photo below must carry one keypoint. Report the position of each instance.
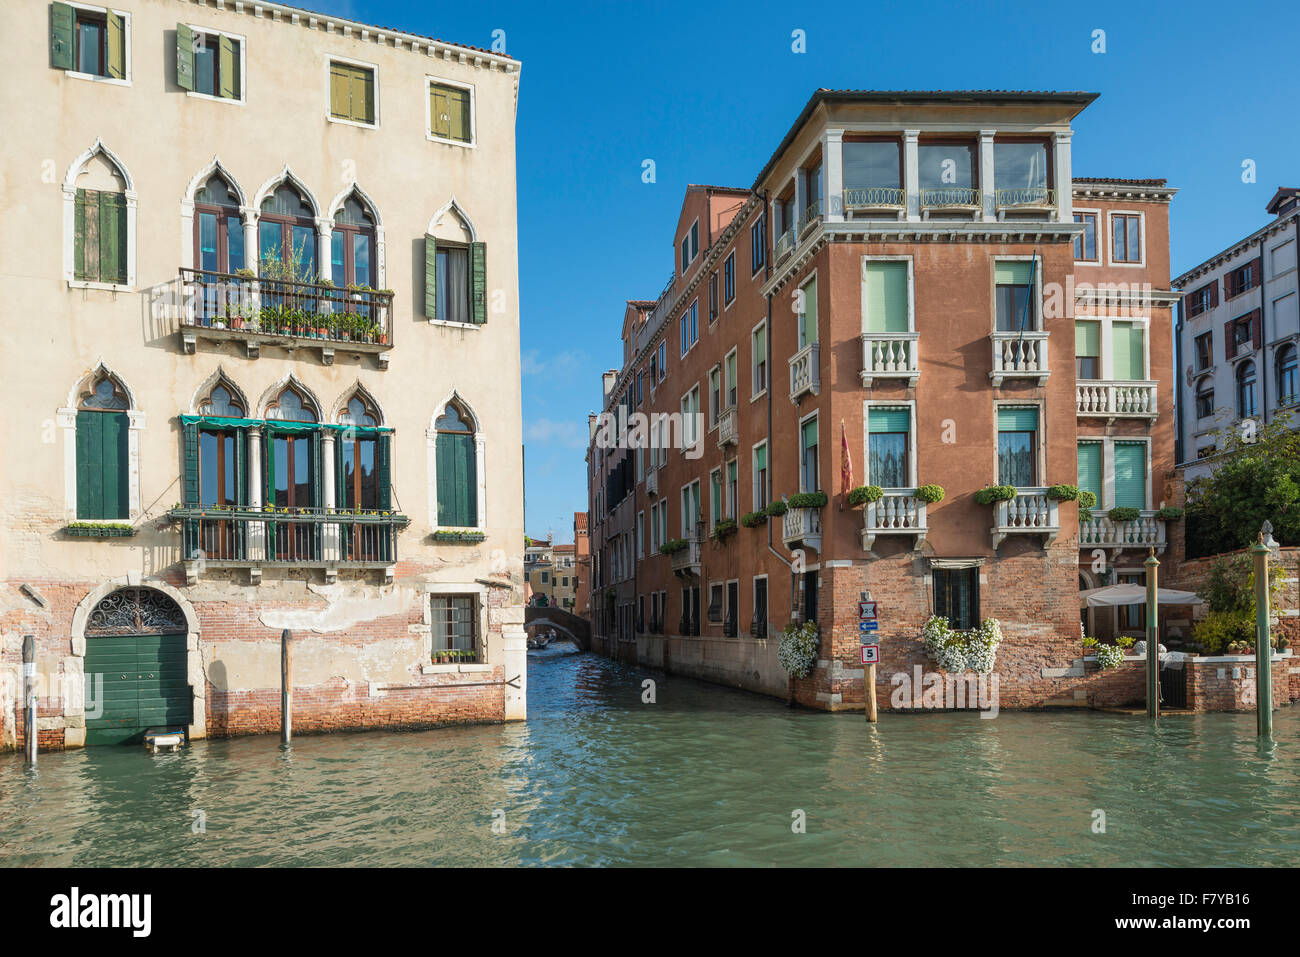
(454, 205)
(480, 464)
(187, 208)
(350, 61)
(910, 405)
(381, 271)
(70, 217)
(430, 80)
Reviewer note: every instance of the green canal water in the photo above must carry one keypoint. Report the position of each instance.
(704, 776)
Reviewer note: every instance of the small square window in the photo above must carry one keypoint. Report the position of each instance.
(454, 626)
(451, 113)
(352, 93)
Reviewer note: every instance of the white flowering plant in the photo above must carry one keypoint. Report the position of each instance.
(798, 650)
(956, 651)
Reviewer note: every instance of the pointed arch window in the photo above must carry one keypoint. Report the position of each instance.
(286, 236)
(218, 230)
(1288, 376)
(362, 458)
(352, 245)
(103, 481)
(457, 468)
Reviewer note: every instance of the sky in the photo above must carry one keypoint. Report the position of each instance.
(707, 91)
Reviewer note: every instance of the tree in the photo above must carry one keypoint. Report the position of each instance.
(1257, 479)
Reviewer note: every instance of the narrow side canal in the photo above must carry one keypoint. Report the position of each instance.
(703, 776)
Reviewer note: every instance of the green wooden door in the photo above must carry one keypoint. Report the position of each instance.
(457, 480)
(146, 685)
(102, 487)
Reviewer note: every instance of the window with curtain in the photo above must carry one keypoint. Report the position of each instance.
(457, 469)
(888, 441)
(946, 165)
(809, 476)
(359, 457)
(1087, 349)
(885, 307)
(1131, 474)
(1018, 446)
(957, 596)
(1021, 169)
(453, 283)
(1013, 296)
(871, 163)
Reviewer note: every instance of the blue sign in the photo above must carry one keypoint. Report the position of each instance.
(868, 626)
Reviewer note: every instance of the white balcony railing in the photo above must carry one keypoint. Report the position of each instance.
(812, 214)
(1116, 399)
(866, 199)
(1031, 512)
(956, 199)
(1019, 354)
(805, 376)
(1028, 199)
(802, 528)
(784, 245)
(728, 428)
(652, 481)
(1145, 531)
(890, 355)
(687, 560)
(897, 512)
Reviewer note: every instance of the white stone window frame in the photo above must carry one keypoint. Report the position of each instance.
(753, 479)
(350, 61)
(480, 466)
(910, 405)
(687, 529)
(731, 500)
(1100, 231)
(640, 536)
(430, 80)
(66, 418)
(691, 236)
(799, 446)
(70, 219)
(1106, 331)
(475, 590)
(800, 296)
(1040, 436)
(452, 205)
(1142, 238)
(755, 395)
(715, 410)
(248, 215)
(1107, 443)
(911, 286)
(758, 228)
(127, 29)
(1039, 321)
(243, 66)
(721, 504)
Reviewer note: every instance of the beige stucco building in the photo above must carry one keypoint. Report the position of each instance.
(263, 334)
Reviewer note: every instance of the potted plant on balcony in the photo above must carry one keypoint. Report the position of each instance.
(1087, 502)
(673, 547)
(931, 494)
(865, 495)
(1063, 493)
(807, 500)
(1169, 513)
(992, 494)
(1124, 513)
(753, 519)
(723, 528)
(775, 509)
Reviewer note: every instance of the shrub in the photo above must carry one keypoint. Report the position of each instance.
(723, 528)
(995, 493)
(1086, 499)
(1169, 514)
(865, 494)
(1063, 493)
(775, 509)
(1123, 513)
(1231, 585)
(672, 547)
(930, 493)
(956, 651)
(1085, 514)
(1219, 630)
(798, 651)
(807, 500)
(753, 519)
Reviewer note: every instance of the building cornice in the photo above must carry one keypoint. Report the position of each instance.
(1235, 250)
(1122, 192)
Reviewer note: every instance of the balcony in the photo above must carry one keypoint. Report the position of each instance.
(277, 312)
(1144, 532)
(805, 375)
(728, 428)
(784, 245)
(299, 538)
(1031, 201)
(686, 561)
(890, 355)
(1019, 354)
(866, 200)
(897, 512)
(958, 200)
(1030, 512)
(802, 528)
(812, 215)
(1116, 400)
(652, 481)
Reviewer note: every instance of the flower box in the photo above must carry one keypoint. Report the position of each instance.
(99, 530)
(458, 538)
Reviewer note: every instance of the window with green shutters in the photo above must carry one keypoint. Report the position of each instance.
(1018, 446)
(89, 40)
(809, 472)
(1087, 349)
(455, 281)
(1013, 296)
(99, 237)
(808, 313)
(209, 63)
(1090, 474)
(1131, 474)
(760, 476)
(457, 469)
(352, 93)
(102, 431)
(1129, 349)
(450, 113)
(885, 306)
(888, 446)
(715, 497)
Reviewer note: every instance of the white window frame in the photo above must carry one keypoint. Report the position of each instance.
(911, 287)
(1142, 238)
(429, 80)
(721, 494)
(799, 459)
(1040, 450)
(1101, 234)
(734, 351)
(715, 411)
(754, 483)
(910, 405)
(1107, 443)
(686, 529)
(1105, 323)
(374, 69)
(753, 602)
(730, 500)
(753, 363)
(758, 228)
(691, 237)
(1037, 302)
(243, 66)
(809, 279)
(127, 30)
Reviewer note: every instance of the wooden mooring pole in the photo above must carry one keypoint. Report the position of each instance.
(1263, 643)
(30, 733)
(286, 687)
(1153, 637)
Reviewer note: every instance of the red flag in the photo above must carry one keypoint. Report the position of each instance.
(846, 464)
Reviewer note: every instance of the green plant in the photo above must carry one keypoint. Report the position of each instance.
(990, 494)
(798, 650)
(1063, 493)
(753, 519)
(956, 651)
(807, 500)
(1219, 630)
(776, 509)
(1170, 513)
(1085, 514)
(723, 528)
(930, 493)
(1109, 656)
(673, 547)
(1087, 500)
(865, 494)
(1124, 513)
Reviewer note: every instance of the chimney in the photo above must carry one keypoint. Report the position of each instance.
(608, 380)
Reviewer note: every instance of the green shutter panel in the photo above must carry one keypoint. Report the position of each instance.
(1087, 338)
(445, 469)
(268, 467)
(438, 108)
(228, 68)
(190, 440)
(339, 91)
(384, 467)
(458, 104)
(114, 456)
(1090, 468)
(886, 297)
(1013, 273)
(340, 473)
(241, 467)
(61, 36)
(430, 277)
(116, 46)
(478, 282)
(1131, 474)
(810, 433)
(889, 420)
(1127, 338)
(317, 467)
(112, 237)
(90, 441)
(79, 237)
(466, 481)
(1017, 419)
(184, 57)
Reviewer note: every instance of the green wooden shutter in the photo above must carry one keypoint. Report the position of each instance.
(1087, 338)
(1131, 474)
(339, 91)
(438, 109)
(478, 282)
(760, 458)
(889, 419)
(340, 473)
(268, 467)
(184, 57)
(116, 46)
(228, 68)
(190, 441)
(1017, 419)
(1127, 345)
(886, 297)
(79, 238)
(808, 318)
(317, 466)
(112, 237)
(241, 467)
(61, 36)
(1013, 273)
(90, 490)
(430, 277)
(457, 480)
(1090, 468)
(384, 467)
(467, 479)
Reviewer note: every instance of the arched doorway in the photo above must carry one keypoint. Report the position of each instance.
(136, 646)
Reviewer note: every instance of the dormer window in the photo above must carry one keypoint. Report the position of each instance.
(690, 245)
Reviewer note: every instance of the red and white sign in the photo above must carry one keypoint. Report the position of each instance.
(866, 610)
(870, 654)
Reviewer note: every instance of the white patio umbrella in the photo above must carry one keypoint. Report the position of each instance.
(1135, 595)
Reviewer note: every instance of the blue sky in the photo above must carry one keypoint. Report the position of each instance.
(708, 90)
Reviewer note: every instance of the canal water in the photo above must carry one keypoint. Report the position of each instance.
(702, 776)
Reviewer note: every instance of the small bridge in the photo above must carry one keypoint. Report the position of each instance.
(575, 627)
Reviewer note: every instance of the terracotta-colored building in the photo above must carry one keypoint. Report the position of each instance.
(919, 278)
(582, 559)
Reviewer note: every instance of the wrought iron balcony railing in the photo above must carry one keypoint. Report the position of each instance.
(812, 214)
(859, 198)
(1024, 197)
(963, 198)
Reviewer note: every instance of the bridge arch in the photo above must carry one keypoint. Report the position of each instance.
(577, 628)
